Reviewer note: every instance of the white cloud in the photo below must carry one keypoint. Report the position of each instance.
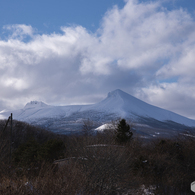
(178, 97)
(16, 83)
(139, 48)
(19, 31)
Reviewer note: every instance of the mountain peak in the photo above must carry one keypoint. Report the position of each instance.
(116, 93)
(35, 104)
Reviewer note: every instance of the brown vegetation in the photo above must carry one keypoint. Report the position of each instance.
(96, 165)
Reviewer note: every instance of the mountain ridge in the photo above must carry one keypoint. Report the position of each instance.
(117, 104)
(130, 106)
(35, 103)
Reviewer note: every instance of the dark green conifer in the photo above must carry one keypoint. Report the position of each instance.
(123, 132)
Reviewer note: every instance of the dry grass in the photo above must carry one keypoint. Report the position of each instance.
(95, 165)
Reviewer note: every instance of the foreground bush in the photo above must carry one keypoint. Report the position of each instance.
(97, 165)
(32, 152)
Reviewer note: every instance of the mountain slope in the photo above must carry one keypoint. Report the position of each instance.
(117, 104)
(128, 106)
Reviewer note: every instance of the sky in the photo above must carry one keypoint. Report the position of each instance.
(75, 52)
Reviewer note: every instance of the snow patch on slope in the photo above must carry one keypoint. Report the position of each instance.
(105, 127)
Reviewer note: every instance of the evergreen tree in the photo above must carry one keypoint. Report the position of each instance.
(123, 132)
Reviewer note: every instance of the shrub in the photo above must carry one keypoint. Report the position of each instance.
(52, 149)
(27, 153)
(32, 152)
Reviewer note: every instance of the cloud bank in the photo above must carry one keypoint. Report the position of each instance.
(142, 48)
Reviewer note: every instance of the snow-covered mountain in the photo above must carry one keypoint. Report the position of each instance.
(117, 104)
(128, 106)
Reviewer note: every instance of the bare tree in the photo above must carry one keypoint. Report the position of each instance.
(87, 126)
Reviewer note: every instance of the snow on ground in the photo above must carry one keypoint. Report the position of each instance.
(105, 127)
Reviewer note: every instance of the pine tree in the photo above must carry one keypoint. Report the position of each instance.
(123, 132)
